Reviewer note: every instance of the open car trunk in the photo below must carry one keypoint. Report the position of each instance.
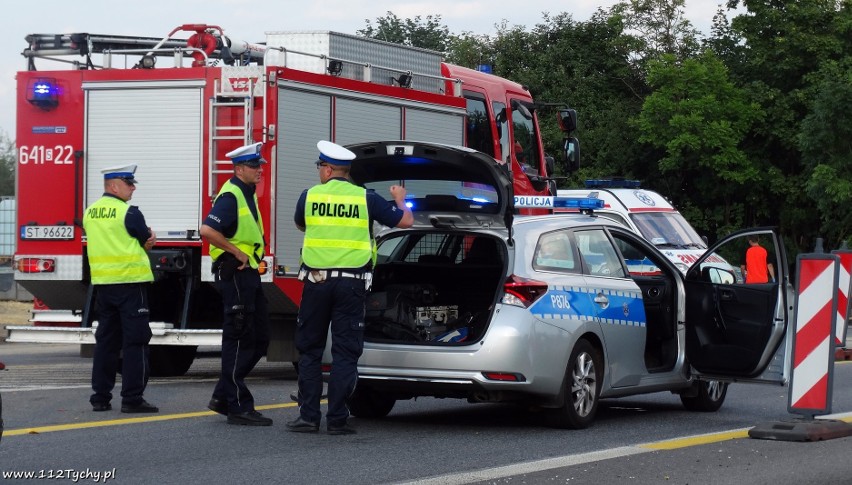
(434, 288)
(436, 283)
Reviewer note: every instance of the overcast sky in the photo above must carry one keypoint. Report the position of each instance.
(249, 21)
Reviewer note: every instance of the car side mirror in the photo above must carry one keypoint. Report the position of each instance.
(571, 148)
(567, 119)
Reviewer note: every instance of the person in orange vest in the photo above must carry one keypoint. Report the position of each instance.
(117, 243)
(757, 268)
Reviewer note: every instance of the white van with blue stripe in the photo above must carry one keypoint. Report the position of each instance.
(649, 214)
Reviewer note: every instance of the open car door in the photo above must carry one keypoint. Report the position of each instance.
(736, 324)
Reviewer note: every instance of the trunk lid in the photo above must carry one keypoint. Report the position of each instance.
(448, 187)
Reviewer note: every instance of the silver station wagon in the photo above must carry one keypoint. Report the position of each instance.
(553, 312)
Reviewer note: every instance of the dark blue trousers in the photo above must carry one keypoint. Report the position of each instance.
(245, 337)
(122, 331)
(340, 301)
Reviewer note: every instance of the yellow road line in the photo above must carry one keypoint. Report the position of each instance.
(696, 440)
(120, 422)
(708, 438)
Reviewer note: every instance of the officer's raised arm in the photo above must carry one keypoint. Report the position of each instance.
(398, 193)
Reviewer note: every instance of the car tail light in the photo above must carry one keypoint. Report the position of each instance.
(504, 376)
(36, 265)
(522, 292)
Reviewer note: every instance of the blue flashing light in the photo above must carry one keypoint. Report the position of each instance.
(480, 200)
(43, 92)
(409, 204)
(615, 183)
(486, 68)
(581, 203)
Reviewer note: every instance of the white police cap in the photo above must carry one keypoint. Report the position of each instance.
(248, 154)
(334, 154)
(124, 172)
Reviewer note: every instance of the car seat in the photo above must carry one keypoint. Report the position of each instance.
(483, 250)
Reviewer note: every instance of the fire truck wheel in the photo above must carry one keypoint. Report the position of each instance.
(171, 360)
(367, 403)
(581, 388)
(709, 397)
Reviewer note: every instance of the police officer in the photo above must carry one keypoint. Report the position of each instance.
(337, 255)
(234, 229)
(117, 240)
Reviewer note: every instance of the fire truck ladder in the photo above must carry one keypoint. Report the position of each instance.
(221, 103)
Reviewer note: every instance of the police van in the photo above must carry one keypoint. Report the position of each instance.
(649, 214)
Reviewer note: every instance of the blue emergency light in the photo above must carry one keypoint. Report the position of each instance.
(581, 203)
(613, 183)
(43, 92)
(545, 202)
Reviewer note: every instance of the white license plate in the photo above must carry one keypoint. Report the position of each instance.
(47, 232)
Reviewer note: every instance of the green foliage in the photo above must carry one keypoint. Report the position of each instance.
(7, 165)
(469, 50)
(826, 145)
(658, 27)
(426, 33)
(783, 45)
(700, 119)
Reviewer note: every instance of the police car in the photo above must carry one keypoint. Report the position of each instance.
(478, 303)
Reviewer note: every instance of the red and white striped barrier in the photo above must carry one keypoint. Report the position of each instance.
(843, 290)
(813, 343)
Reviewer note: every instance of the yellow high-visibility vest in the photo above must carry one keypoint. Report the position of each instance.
(114, 255)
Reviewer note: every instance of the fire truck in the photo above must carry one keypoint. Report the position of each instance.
(175, 105)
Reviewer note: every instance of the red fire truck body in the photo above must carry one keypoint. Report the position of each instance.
(176, 123)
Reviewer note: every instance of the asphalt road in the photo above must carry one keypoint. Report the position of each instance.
(644, 439)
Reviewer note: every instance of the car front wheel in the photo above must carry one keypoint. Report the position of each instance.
(709, 397)
(582, 384)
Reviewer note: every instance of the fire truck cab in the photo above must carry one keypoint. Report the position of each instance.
(175, 106)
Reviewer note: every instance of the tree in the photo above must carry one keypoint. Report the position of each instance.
(470, 50)
(417, 32)
(7, 165)
(658, 27)
(826, 145)
(700, 119)
(783, 44)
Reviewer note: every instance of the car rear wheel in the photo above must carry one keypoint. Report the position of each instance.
(367, 403)
(582, 384)
(709, 396)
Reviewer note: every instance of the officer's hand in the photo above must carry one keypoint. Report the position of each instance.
(152, 240)
(243, 259)
(398, 193)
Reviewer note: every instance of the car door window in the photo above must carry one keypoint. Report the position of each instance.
(598, 254)
(733, 327)
(555, 252)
